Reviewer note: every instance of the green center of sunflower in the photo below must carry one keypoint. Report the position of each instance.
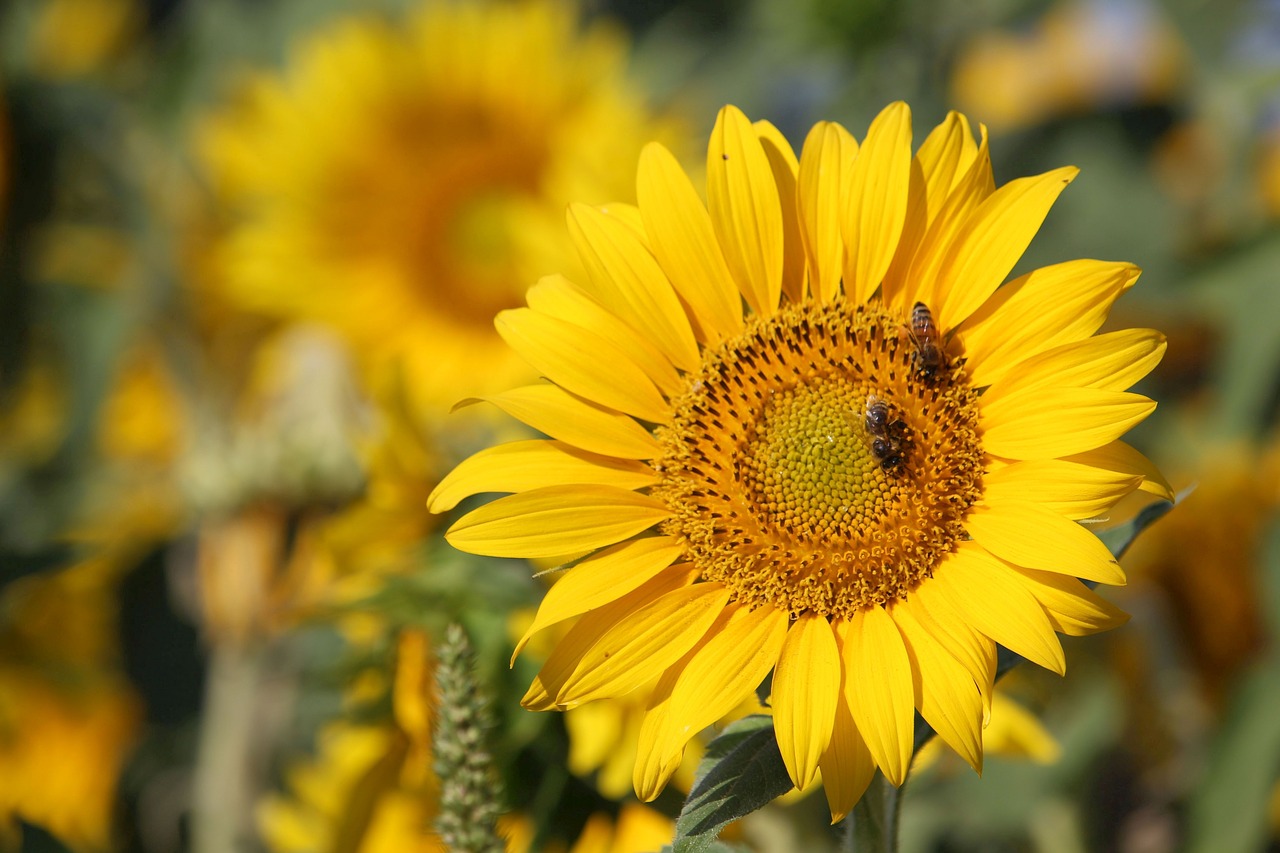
(809, 465)
(813, 467)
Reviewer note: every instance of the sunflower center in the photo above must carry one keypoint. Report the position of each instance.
(812, 466)
(808, 463)
(434, 189)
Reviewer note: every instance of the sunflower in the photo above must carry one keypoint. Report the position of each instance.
(636, 828)
(401, 182)
(1077, 57)
(68, 717)
(808, 428)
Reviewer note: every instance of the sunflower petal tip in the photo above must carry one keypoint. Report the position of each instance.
(899, 108)
(524, 641)
(536, 698)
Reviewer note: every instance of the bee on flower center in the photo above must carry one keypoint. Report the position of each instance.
(929, 357)
(888, 435)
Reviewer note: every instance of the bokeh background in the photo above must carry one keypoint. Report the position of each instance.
(250, 251)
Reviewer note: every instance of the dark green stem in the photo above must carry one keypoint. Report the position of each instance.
(873, 826)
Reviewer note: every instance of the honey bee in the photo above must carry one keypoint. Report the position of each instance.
(888, 436)
(928, 357)
(877, 415)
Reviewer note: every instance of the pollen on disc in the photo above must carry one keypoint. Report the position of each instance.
(774, 478)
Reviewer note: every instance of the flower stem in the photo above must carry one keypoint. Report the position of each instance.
(223, 788)
(873, 826)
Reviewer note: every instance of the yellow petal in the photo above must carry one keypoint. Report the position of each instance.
(782, 160)
(582, 362)
(1111, 362)
(594, 733)
(574, 421)
(587, 631)
(993, 240)
(519, 466)
(557, 296)
(654, 763)
(897, 291)
(638, 828)
(629, 215)
(1072, 607)
(684, 243)
(642, 644)
(847, 766)
(922, 282)
(942, 160)
(879, 688)
(946, 624)
(949, 630)
(1045, 423)
(660, 748)
(946, 692)
(1015, 732)
(555, 521)
(1030, 535)
(877, 204)
(994, 601)
(601, 578)
(944, 156)
(729, 665)
(627, 279)
(745, 209)
(1071, 489)
(1046, 307)
(828, 153)
(1121, 458)
(806, 687)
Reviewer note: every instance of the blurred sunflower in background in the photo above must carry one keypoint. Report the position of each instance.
(370, 787)
(376, 201)
(68, 714)
(1077, 56)
(402, 182)
(862, 484)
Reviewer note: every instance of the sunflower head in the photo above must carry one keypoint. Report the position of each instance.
(808, 427)
(401, 182)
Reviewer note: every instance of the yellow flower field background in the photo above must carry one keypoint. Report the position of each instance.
(429, 424)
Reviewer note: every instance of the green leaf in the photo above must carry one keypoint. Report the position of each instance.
(716, 847)
(742, 771)
(1118, 539)
(1245, 372)
(1229, 807)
